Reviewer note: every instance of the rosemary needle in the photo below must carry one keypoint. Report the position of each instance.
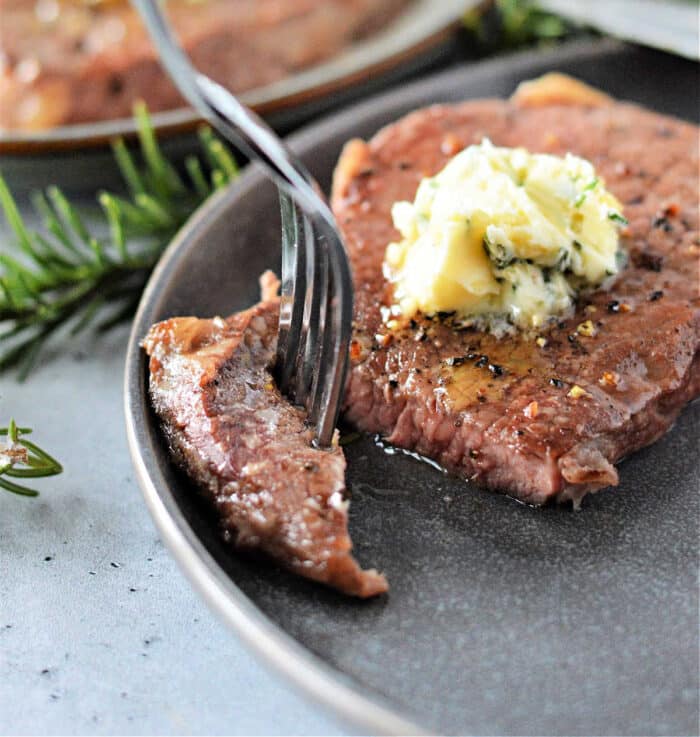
(68, 279)
(20, 458)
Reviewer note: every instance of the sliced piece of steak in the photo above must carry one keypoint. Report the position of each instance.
(501, 412)
(248, 448)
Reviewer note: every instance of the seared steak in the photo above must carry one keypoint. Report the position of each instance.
(72, 62)
(536, 421)
(248, 448)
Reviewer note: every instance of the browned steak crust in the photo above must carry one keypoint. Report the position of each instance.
(92, 61)
(249, 449)
(501, 414)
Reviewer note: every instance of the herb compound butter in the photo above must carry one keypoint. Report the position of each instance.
(504, 238)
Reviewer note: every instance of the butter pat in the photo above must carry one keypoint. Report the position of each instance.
(504, 238)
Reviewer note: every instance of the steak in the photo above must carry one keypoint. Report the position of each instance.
(79, 62)
(539, 421)
(248, 448)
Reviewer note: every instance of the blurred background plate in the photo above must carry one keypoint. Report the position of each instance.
(501, 618)
(417, 39)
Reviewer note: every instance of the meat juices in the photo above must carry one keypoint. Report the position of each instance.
(536, 420)
(76, 62)
(248, 448)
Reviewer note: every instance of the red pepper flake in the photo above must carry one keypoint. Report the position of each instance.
(531, 411)
(451, 145)
(673, 208)
(355, 350)
(609, 378)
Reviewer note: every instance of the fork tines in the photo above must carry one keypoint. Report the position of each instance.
(315, 314)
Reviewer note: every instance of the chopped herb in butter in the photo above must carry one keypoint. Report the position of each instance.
(504, 238)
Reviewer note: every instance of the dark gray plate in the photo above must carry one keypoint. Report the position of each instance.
(501, 619)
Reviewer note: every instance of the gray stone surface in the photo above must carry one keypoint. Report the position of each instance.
(99, 631)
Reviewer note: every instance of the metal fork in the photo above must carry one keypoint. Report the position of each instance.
(316, 291)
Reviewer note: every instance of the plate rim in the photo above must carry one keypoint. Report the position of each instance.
(428, 23)
(326, 685)
(277, 648)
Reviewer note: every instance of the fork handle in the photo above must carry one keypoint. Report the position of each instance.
(233, 119)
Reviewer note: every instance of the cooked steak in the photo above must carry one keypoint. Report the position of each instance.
(538, 419)
(541, 420)
(77, 61)
(248, 448)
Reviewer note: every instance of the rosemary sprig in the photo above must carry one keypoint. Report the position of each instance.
(498, 25)
(81, 274)
(20, 458)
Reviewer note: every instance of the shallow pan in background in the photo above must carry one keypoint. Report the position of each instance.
(501, 619)
(77, 156)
